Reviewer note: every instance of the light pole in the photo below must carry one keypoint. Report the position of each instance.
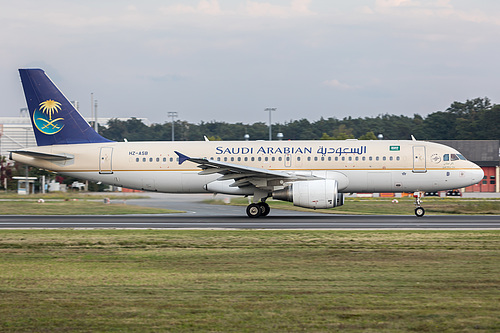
(270, 126)
(172, 114)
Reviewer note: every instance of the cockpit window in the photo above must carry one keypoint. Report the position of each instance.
(453, 157)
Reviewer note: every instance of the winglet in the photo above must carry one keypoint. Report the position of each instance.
(182, 157)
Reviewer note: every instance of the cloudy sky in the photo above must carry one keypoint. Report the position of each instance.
(227, 60)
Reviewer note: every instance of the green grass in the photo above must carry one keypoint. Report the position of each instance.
(80, 207)
(249, 281)
(71, 195)
(73, 203)
(385, 206)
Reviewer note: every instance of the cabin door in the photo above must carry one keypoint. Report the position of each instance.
(105, 160)
(419, 164)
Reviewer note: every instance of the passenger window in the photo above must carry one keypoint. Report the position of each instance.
(329, 158)
(279, 158)
(144, 159)
(376, 158)
(259, 158)
(218, 159)
(225, 159)
(397, 158)
(157, 159)
(273, 158)
(239, 159)
(164, 159)
(150, 159)
(315, 158)
(232, 159)
(246, 158)
(322, 158)
(383, 158)
(357, 158)
(137, 159)
(350, 158)
(309, 158)
(253, 158)
(266, 158)
(298, 158)
(370, 158)
(343, 158)
(336, 158)
(288, 158)
(390, 158)
(364, 158)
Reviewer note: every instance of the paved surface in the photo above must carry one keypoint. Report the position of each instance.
(240, 222)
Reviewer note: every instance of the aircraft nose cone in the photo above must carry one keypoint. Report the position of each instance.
(477, 175)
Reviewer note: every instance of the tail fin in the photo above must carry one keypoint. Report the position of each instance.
(55, 120)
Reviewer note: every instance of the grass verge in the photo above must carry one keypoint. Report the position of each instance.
(249, 281)
(75, 208)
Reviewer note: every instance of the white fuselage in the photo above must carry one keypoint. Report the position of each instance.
(358, 166)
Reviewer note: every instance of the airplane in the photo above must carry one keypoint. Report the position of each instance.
(311, 174)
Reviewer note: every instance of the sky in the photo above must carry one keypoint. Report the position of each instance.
(228, 60)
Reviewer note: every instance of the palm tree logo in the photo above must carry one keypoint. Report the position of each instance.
(50, 107)
(43, 117)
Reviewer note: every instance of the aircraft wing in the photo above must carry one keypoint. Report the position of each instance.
(241, 174)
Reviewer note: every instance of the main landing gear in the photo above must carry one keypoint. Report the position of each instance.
(258, 209)
(419, 210)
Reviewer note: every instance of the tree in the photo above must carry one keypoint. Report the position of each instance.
(368, 136)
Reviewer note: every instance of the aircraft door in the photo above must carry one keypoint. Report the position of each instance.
(105, 160)
(419, 164)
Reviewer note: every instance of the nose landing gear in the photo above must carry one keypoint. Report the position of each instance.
(419, 210)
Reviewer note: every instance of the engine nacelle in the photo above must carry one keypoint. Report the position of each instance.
(322, 193)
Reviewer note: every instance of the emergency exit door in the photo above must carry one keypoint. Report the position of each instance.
(106, 160)
(419, 164)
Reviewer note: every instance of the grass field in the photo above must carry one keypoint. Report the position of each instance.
(73, 204)
(405, 206)
(249, 281)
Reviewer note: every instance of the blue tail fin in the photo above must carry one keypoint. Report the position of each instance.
(55, 120)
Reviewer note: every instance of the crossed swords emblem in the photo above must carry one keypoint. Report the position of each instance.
(50, 123)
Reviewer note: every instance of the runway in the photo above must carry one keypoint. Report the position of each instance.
(241, 222)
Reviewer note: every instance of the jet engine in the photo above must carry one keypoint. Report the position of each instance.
(322, 193)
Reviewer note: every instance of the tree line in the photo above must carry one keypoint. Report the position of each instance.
(476, 119)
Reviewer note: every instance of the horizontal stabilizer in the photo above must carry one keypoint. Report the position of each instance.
(43, 156)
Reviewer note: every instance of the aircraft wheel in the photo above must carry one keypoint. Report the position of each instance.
(254, 210)
(419, 211)
(264, 209)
